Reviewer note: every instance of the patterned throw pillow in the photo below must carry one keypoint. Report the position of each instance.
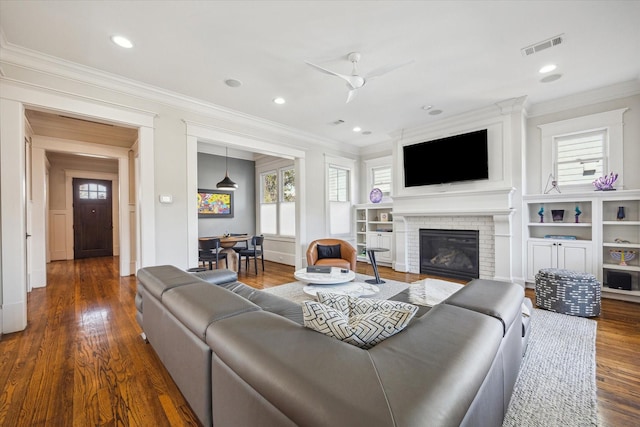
(361, 322)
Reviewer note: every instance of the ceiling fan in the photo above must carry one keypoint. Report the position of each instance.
(356, 81)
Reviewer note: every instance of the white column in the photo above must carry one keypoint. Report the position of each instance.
(38, 219)
(503, 245)
(401, 262)
(12, 211)
(192, 206)
(146, 198)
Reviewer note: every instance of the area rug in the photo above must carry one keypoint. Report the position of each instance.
(293, 291)
(557, 381)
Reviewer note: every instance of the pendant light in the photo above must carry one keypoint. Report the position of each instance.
(226, 183)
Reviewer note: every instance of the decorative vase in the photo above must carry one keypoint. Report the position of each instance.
(620, 214)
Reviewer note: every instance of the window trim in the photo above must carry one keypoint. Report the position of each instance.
(612, 121)
(278, 172)
(349, 165)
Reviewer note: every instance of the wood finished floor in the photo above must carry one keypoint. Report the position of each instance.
(81, 362)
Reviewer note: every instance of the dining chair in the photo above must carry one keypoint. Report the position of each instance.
(254, 251)
(209, 252)
(240, 245)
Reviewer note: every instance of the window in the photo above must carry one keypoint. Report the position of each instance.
(577, 151)
(339, 200)
(580, 158)
(92, 191)
(269, 203)
(278, 202)
(288, 202)
(381, 178)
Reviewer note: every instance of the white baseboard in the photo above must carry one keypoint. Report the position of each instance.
(14, 317)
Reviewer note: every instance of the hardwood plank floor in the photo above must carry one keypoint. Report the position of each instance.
(81, 360)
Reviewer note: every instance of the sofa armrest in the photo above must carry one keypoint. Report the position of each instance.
(502, 300)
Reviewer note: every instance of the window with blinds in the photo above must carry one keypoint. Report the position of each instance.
(381, 178)
(339, 201)
(580, 158)
(278, 202)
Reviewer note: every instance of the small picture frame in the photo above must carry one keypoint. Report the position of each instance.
(384, 217)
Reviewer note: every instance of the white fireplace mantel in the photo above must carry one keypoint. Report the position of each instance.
(458, 209)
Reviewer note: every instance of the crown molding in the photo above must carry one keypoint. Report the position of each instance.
(41, 63)
(602, 94)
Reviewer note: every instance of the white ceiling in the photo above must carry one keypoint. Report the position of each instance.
(467, 54)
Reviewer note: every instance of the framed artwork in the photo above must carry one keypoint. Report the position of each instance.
(215, 204)
(384, 217)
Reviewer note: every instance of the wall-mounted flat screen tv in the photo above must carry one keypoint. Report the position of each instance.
(451, 159)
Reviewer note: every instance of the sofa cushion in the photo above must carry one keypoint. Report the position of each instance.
(329, 251)
(361, 322)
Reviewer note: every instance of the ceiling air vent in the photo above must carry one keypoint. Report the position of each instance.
(546, 44)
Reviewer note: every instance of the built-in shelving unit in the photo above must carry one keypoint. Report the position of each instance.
(587, 245)
(374, 228)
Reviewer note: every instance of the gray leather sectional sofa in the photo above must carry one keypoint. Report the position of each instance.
(241, 357)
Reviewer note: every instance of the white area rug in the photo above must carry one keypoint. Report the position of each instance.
(432, 291)
(557, 382)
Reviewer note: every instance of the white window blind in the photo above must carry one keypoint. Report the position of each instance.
(381, 178)
(580, 158)
(339, 201)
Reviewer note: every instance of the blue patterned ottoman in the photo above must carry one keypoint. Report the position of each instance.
(568, 292)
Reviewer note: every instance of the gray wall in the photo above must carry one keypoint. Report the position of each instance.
(211, 170)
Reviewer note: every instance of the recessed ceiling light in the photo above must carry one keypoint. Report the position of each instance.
(122, 41)
(550, 78)
(435, 112)
(233, 83)
(547, 68)
(357, 129)
(279, 100)
(427, 107)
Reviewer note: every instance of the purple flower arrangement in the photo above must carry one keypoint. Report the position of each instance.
(605, 183)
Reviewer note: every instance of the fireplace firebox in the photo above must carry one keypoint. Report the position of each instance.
(450, 253)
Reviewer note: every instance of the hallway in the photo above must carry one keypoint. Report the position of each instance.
(81, 360)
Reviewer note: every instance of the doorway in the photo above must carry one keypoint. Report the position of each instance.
(92, 218)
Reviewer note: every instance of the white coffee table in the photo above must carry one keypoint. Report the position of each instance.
(354, 289)
(336, 276)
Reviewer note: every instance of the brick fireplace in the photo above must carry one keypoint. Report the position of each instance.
(488, 213)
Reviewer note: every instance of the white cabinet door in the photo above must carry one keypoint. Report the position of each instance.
(541, 255)
(381, 240)
(575, 256)
(570, 255)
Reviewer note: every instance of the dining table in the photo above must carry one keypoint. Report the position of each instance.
(227, 243)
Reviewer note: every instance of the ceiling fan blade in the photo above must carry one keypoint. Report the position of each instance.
(386, 69)
(352, 94)
(331, 73)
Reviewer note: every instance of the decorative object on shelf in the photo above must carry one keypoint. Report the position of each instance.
(560, 237)
(622, 255)
(384, 217)
(620, 215)
(605, 183)
(541, 213)
(376, 195)
(557, 215)
(578, 212)
(552, 184)
(619, 240)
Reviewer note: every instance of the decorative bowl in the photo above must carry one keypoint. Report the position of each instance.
(622, 256)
